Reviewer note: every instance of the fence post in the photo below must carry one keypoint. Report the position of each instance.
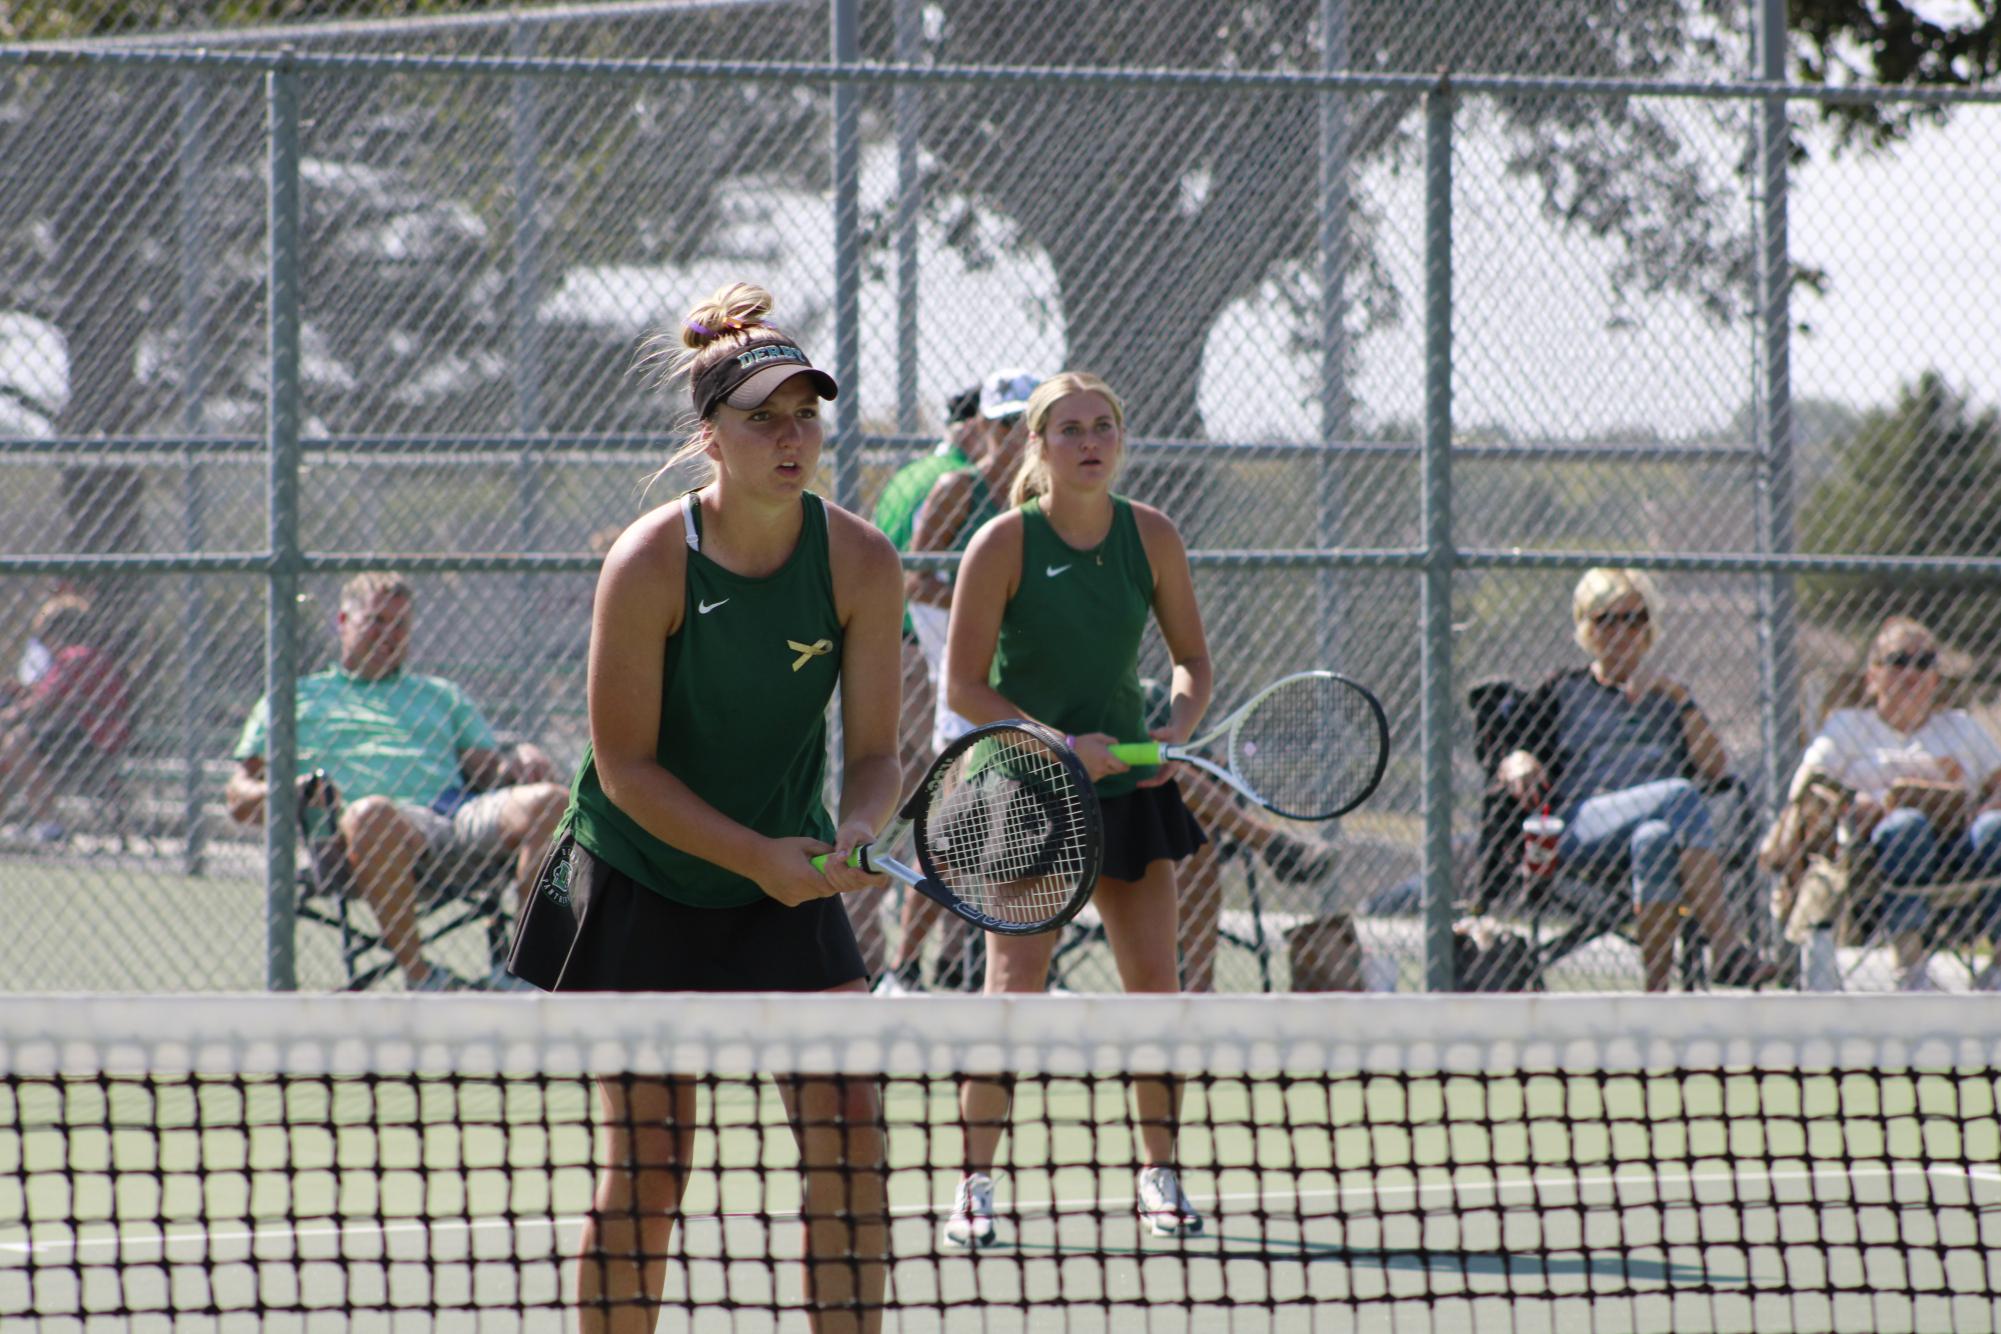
(196, 680)
(528, 702)
(907, 112)
(1778, 641)
(845, 23)
(1335, 422)
(281, 640)
(1435, 662)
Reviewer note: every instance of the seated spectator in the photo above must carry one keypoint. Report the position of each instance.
(896, 515)
(422, 782)
(1622, 756)
(69, 725)
(1926, 788)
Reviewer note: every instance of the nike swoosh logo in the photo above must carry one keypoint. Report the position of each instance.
(1053, 570)
(707, 607)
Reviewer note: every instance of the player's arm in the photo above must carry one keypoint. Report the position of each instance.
(988, 578)
(868, 594)
(1180, 620)
(936, 528)
(1705, 748)
(246, 790)
(640, 604)
(244, 795)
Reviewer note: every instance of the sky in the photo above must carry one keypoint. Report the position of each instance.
(1907, 242)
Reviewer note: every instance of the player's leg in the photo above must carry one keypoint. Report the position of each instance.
(838, 1125)
(1140, 926)
(646, 1142)
(1015, 965)
(384, 841)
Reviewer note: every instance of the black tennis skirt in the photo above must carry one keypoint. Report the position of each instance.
(591, 927)
(1147, 825)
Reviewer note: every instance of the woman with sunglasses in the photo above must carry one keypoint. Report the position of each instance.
(1917, 772)
(1623, 757)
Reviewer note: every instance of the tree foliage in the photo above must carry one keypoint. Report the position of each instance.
(1843, 42)
(132, 220)
(1158, 209)
(1914, 478)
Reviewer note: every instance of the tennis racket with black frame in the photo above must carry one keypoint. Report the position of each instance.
(1006, 831)
(1310, 746)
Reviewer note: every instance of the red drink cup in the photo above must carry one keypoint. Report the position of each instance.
(1540, 834)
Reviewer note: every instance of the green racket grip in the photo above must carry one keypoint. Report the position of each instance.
(858, 859)
(1139, 752)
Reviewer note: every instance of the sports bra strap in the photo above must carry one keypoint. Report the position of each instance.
(691, 511)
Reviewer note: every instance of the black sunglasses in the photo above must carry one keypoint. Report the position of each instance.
(1924, 660)
(1632, 620)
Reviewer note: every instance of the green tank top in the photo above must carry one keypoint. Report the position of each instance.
(982, 508)
(903, 494)
(1069, 639)
(743, 716)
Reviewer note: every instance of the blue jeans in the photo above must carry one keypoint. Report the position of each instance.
(1908, 852)
(1652, 822)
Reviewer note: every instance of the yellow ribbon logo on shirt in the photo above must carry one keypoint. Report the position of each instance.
(807, 652)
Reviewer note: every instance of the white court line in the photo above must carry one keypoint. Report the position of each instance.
(30, 1249)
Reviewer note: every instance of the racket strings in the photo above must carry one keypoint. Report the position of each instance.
(1007, 829)
(1310, 747)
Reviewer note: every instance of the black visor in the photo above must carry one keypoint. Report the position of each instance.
(750, 375)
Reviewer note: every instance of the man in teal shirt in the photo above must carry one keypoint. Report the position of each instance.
(422, 786)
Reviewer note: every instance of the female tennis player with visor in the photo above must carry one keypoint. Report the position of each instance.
(1051, 601)
(723, 622)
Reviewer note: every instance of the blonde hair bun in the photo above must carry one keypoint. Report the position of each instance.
(735, 309)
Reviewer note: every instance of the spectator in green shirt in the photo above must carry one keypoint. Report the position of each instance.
(421, 784)
(895, 514)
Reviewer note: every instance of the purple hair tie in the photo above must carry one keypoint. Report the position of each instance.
(702, 329)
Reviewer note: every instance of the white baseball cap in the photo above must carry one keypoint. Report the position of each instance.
(1005, 393)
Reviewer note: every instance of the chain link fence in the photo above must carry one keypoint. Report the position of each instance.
(1404, 353)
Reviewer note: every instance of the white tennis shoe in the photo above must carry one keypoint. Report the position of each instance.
(971, 1225)
(1166, 1210)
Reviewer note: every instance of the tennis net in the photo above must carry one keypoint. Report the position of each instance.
(1590, 1162)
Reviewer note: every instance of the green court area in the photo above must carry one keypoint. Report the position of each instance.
(107, 921)
(1698, 1202)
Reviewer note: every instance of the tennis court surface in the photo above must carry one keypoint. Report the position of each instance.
(1393, 1162)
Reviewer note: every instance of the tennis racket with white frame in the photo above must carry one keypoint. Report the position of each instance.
(1310, 746)
(1006, 831)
